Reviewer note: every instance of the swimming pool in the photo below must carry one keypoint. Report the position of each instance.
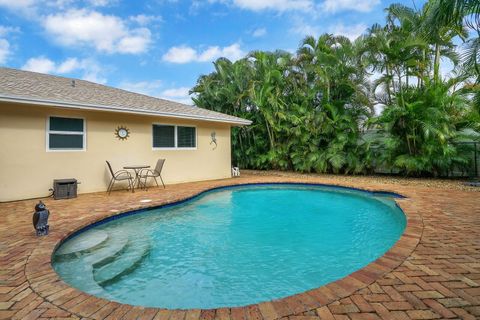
(232, 246)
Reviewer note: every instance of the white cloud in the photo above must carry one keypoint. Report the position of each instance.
(99, 3)
(277, 5)
(91, 70)
(303, 28)
(177, 94)
(185, 54)
(4, 50)
(40, 64)
(17, 4)
(311, 6)
(143, 19)
(352, 32)
(4, 30)
(352, 5)
(150, 88)
(34, 8)
(54, 4)
(137, 42)
(94, 75)
(233, 52)
(105, 33)
(260, 32)
(209, 55)
(182, 54)
(261, 5)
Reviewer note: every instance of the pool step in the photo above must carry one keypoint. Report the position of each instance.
(83, 274)
(124, 263)
(96, 256)
(114, 248)
(99, 258)
(84, 243)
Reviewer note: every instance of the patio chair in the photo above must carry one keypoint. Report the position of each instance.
(120, 175)
(235, 172)
(155, 173)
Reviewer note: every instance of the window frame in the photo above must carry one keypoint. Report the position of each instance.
(175, 139)
(48, 132)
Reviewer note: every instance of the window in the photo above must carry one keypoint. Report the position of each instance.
(65, 134)
(163, 136)
(186, 137)
(174, 137)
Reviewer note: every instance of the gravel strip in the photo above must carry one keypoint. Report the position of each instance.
(449, 184)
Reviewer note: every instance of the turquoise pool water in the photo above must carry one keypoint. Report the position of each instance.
(232, 247)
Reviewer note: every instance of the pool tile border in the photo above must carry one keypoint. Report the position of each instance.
(44, 281)
(123, 214)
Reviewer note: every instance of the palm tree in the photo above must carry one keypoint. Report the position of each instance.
(448, 12)
(456, 17)
(310, 110)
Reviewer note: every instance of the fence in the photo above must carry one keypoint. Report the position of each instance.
(469, 149)
(472, 150)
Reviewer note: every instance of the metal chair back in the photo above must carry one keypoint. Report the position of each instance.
(110, 168)
(159, 166)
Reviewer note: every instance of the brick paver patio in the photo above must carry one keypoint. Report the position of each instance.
(432, 272)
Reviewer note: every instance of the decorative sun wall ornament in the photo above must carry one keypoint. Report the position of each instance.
(213, 135)
(122, 133)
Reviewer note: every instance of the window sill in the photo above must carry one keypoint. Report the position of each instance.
(173, 149)
(66, 150)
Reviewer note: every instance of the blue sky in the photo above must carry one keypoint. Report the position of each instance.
(161, 47)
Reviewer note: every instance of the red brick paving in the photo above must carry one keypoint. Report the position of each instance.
(432, 272)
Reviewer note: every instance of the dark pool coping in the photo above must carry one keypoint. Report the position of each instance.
(393, 195)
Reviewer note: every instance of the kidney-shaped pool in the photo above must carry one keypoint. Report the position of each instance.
(232, 246)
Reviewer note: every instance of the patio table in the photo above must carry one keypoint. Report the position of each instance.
(136, 169)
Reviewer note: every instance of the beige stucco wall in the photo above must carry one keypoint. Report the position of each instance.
(27, 170)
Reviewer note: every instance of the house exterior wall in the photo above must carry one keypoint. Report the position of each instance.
(27, 169)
